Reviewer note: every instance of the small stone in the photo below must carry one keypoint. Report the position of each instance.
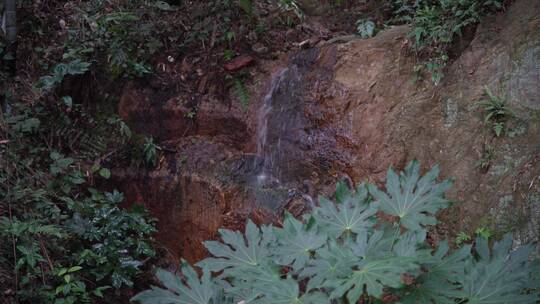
(259, 48)
(62, 24)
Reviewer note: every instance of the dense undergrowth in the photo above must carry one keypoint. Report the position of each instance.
(63, 240)
(66, 236)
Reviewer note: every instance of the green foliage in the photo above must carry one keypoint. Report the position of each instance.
(483, 232)
(116, 37)
(412, 199)
(124, 34)
(61, 240)
(292, 11)
(436, 24)
(498, 275)
(204, 290)
(496, 112)
(462, 237)
(365, 28)
(150, 151)
(340, 254)
(75, 67)
(242, 92)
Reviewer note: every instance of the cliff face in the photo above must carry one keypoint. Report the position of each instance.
(349, 111)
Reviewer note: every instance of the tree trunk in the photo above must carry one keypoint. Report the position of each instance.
(10, 28)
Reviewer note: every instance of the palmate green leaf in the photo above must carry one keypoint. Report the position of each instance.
(249, 284)
(233, 255)
(409, 245)
(438, 284)
(382, 261)
(296, 244)
(287, 291)
(413, 199)
(377, 245)
(352, 214)
(195, 291)
(331, 263)
(499, 276)
(374, 274)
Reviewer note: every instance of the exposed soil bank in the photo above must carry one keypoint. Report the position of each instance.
(348, 111)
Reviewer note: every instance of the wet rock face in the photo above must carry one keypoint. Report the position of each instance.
(348, 111)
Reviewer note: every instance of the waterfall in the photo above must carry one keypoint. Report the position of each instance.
(278, 117)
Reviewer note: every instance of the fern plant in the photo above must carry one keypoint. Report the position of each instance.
(242, 92)
(496, 111)
(343, 253)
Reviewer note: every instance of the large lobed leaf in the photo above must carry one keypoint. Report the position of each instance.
(438, 283)
(296, 244)
(351, 214)
(374, 274)
(234, 255)
(331, 263)
(500, 276)
(411, 198)
(195, 291)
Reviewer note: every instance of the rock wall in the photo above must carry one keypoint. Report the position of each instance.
(357, 112)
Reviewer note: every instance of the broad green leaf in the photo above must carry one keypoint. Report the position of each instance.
(157, 295)
(413, 199)
(286, 291)
(498, 276)
(378, 245)
(74, 269)
(195, 291)
(352, 214)
(296, 245)
(105, 173)
(330, 263)
(374, 274)
(234, 252)
(409, 244)
(438, 283)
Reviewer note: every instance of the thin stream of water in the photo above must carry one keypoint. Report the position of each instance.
(274, 121)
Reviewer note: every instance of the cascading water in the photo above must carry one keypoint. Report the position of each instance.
(277, 120)
(280, 167)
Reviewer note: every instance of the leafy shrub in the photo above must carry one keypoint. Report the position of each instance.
(62, 241)
(124, 35)
(342, 253)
